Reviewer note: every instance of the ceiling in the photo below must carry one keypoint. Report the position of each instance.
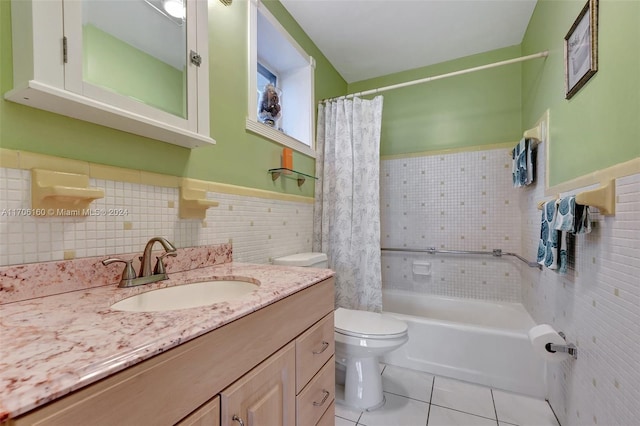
(370, 38)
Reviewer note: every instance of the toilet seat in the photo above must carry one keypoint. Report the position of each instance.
(368, 325)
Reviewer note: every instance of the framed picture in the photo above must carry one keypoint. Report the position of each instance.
(581, 49)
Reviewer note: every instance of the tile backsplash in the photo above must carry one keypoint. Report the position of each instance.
(459, 201)
(259, 228)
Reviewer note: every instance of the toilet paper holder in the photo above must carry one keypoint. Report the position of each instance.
(570, 348)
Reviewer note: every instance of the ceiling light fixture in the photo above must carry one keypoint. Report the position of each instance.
(174, 8)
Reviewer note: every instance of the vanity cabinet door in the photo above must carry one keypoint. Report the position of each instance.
(265, 396)
(207, 415)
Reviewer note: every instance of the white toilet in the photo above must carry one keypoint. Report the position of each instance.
(361, 337)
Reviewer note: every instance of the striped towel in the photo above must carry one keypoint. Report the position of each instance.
(522, 166)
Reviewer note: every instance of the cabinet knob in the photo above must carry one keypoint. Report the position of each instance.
(237, 419)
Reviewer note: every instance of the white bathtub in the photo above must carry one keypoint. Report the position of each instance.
(477, 341)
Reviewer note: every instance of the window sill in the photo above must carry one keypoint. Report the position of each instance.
(279, 137)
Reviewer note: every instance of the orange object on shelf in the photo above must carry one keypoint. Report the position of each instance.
(287, 158)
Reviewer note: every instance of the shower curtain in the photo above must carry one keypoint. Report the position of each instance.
(347, 199)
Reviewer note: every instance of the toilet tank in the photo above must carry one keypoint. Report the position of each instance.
(310, 260)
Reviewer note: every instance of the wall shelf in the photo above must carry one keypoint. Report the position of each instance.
(62, 194)
(193, 200)
(301, 177)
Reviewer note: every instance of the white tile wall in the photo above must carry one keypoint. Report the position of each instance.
(461, 201)
(598, 307)
(260, 229)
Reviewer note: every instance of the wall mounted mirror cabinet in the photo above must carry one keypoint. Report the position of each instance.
(281, 84)
(140, 66)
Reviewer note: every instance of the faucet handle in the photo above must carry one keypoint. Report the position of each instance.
(128, 274)
(159, 268)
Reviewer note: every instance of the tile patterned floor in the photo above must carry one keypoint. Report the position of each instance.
(414, 398)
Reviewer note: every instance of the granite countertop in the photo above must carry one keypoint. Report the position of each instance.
(53, 345)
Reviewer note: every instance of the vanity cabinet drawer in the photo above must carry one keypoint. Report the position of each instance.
(317, 396)
(313, 348)
(329, 416)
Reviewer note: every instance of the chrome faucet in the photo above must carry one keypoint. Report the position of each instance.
(146, 275)
(145, 266)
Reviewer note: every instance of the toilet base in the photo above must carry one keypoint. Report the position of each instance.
(363, 384)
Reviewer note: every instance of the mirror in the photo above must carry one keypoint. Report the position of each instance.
(145, 62)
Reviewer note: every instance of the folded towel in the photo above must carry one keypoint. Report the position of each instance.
(560, 217)
(572, 217)
(522, 166)
(549, 238)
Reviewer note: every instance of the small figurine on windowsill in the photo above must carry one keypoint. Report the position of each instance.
(269, 108)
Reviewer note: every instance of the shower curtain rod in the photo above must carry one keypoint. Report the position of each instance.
(542, 54)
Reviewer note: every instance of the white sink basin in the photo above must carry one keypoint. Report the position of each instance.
(186, 296)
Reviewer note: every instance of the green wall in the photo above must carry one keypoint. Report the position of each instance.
(600, 125)
(239, 157)
(111, 63)
(473, 109)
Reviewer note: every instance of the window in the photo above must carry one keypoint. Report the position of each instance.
(265, 77)
(276, 59)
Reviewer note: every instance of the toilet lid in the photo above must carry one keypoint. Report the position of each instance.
(367, 324)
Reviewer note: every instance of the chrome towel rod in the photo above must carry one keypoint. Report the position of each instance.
(494, 252)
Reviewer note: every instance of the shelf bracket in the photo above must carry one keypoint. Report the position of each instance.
(301, 177)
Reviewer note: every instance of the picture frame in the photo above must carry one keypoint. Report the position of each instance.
(581, 49)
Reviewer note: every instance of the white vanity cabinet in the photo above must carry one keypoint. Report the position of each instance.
(274, 366)
(128, 65)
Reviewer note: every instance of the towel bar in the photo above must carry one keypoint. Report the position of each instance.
(534, 134)
(538, 133)
(603, 198)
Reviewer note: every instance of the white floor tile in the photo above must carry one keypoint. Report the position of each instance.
(397, 411)
(343, 422)
(523, 410)
(440, 416)
(405, 382)
(343, 410)
(462, 396)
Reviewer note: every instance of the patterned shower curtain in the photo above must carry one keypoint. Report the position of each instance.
(347, 199)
